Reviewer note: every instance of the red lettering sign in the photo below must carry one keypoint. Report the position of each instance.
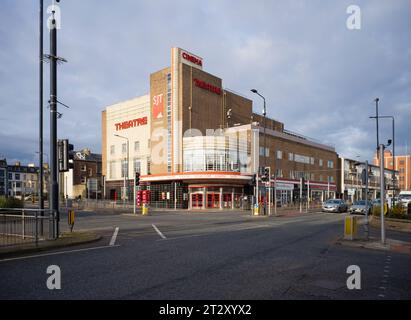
(192, 59)
(131, 124)
(206, 86)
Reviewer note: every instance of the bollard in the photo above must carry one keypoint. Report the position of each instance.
(350, 227)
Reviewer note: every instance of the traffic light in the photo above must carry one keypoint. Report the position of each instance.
(266, 174)
(364, 177)
(254, 180)
(137, 179)
(65, 155)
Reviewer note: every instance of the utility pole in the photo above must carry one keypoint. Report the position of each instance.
(41, 200)
(54, 197)
(382, 192)
(376, 120)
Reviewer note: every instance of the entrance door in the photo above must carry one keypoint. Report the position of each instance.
(227, 199)
(213, 200)
(197, 200)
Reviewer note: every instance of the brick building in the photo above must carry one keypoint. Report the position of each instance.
(197, 144)
(85, 179)
(402, 164)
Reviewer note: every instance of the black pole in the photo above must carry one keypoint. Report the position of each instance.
(53, 129)
(41, 200)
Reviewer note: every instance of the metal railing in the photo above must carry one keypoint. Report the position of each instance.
(23, 226)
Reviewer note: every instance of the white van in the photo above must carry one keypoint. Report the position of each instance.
(405, 197)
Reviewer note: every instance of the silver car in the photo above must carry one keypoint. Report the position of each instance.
(334, 205)
(361, 207)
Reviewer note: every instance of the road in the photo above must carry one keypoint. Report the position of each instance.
(224, 255)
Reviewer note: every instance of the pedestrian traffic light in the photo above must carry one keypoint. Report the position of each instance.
(65, 155)
(364, 177)
(137, 179)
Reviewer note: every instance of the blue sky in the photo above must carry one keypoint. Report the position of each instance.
(319, 78)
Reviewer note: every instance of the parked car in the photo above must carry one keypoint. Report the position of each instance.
(405, 198)
(361, 207)
(334, 205)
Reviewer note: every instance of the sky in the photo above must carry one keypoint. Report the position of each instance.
(319, 77)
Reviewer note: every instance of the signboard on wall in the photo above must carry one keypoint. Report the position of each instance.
(158, 106)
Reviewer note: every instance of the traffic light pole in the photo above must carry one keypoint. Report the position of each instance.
(366, 200)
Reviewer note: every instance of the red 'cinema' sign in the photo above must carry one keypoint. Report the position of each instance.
(206, 86)
(131, 124)
(192, 59)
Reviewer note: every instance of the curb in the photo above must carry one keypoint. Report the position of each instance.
(48, 245)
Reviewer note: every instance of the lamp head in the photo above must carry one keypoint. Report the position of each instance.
(254, 91)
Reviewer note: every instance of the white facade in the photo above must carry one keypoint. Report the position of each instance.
(130, 120)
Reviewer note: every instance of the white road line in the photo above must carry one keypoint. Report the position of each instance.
(159, 232)
(58, 253)
(381, 296)
(114, 237)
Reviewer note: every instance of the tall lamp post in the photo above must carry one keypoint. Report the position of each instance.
(393, 150)
(128, 164)
(265, 137)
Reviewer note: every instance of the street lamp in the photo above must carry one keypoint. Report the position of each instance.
(393, 150)
(128, 163)
(265, 137)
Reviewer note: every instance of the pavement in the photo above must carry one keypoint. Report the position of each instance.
(211, 255)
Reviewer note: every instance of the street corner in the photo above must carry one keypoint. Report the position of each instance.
(68, 239)
(375, 244)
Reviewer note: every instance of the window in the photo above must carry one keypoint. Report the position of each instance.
(112, 169)
(312, 160)
(330, 179)
(137, 165)
(321, 177)
(402, 162)
(1, 173)
(321, 162)
(112, 150)
(330, 164)
(267, 152)
(292, 174)
(17, 176)
(124, 148)
(301, 159)
(10, 176)
(90, 172)
(279, 173)
(83, 180)
(148, 165)
(290, 157)
(124, 168)
(279, 154)
(83, 168)
(137, 146)
(18, 184)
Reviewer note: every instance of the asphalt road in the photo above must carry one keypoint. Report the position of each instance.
(210, 256)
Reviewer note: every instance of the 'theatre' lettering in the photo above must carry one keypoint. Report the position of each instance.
(131, 124)
(206, 86)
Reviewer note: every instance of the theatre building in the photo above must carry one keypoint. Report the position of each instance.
(197, 145)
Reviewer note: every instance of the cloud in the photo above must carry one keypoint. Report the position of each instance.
(319, 78)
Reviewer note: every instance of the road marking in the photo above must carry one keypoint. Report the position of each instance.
(114, 237)
(57, 253)
(159, 232)
(381, 296)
